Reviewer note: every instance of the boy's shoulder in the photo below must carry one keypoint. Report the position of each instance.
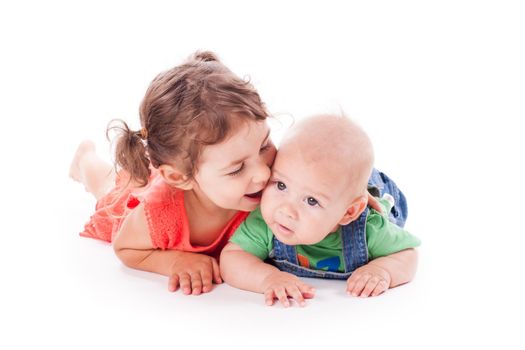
(383, 237)
(255, 217)
(377, 220)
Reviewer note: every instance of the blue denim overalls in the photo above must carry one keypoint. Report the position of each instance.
(353, 235)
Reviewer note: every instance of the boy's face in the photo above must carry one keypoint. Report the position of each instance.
(306, 198)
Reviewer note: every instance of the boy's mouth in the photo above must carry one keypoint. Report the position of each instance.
(284, 230)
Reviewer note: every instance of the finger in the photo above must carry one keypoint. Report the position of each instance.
(360, 284)
(196, 283)
(370, 286)
(216, 272)
(173, 283)
(381, 287)
(296, 295)
(280, 293)
(350, 282)
(269, 297)
(374, 203)
(207, 276)
(185, 283)
(307, 291)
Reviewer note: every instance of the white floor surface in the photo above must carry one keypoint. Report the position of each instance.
(439, 87)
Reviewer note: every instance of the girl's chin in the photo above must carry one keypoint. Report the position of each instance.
(248, 205)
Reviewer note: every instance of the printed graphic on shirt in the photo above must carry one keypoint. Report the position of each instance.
(332, 263)
(329, 264)
(303, 261)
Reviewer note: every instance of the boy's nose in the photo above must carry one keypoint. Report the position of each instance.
(287, 211)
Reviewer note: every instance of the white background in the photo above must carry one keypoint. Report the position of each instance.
(439, 86)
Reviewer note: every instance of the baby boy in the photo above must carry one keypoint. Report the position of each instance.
(314, 221)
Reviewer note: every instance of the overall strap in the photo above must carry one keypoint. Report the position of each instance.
(282, 251)
(353, 236)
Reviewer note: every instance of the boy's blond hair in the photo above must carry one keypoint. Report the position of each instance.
(338, 141)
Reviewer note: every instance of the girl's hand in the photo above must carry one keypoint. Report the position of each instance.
(281, 285)
(368, 280)
(193, 273)
(374, 203)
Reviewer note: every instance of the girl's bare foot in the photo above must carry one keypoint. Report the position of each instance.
(97, 175)
(84, 148)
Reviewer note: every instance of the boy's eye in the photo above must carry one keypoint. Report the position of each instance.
(312, 201)
(281, 186)
(238, 171)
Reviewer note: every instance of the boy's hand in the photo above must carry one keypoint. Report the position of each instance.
(281, 285)
(194, 273)
(368, 280)
(374, 203)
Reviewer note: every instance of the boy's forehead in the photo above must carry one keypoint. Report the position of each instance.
(310, 150)
(311, 170)
(321, 163)
(330, 150)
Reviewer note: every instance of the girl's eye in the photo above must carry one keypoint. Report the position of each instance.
(265, 147)
(281, 186)
(238, 171)
(312, 201)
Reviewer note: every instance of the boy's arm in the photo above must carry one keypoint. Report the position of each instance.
(193, 272)
(382, 273)
(401, 266)
(245, 271)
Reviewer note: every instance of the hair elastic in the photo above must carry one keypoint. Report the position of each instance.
(143, 133)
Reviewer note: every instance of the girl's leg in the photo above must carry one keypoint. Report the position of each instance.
(97, 175)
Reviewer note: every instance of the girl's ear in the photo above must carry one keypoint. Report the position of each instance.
(354, 210)
(174, 177)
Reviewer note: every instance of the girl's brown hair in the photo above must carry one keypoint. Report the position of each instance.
(190, 106)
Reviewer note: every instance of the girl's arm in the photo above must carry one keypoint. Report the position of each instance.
(193, 272)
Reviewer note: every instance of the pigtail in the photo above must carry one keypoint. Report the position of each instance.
(185, 108)
(130, 151)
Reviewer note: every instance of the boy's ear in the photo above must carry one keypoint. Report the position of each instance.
(354, 210)
(174, 177)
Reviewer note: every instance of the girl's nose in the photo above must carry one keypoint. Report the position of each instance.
(261, 173)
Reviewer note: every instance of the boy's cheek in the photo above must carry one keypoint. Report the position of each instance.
(266, 210)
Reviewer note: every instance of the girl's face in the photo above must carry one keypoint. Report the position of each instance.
(232, 174)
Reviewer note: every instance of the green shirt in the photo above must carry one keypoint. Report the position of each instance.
(382, 238)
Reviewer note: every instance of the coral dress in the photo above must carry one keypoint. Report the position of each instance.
(165, 214)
